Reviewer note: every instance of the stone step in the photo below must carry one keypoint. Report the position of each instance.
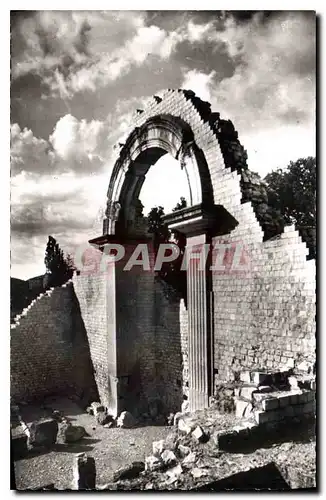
(278, 399)
(246, 390)
(263, 377)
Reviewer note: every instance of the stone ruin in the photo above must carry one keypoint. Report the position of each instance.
(143, 354)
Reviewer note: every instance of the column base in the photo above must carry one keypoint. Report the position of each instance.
(198, 400)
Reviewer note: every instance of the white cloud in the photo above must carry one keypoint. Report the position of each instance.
(29, 152)
(274, 76)
(197, 32)
(200, 83)
(77, 140)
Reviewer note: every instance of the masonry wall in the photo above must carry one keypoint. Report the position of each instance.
(136, 336)
(264, 315)
(170, 349)
(91, 292)
(263, 318)
(49, 349)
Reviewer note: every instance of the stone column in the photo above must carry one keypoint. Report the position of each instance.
(198, 324)
(199, 223)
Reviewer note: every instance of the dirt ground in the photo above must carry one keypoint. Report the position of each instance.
(111, 448)
(114, 447)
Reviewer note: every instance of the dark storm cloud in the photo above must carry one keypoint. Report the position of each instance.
(34, 215)
(205, 56)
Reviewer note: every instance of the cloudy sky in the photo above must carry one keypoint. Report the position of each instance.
(77, 77)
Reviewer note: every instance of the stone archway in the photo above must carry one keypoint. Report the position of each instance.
(174, 125)
(248, 327)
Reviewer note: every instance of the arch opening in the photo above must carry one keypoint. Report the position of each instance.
(159, 136)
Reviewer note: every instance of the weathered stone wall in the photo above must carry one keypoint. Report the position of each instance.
(265, 317)
(149, 355)
(91, 292)
(168, 343)
(49, 349)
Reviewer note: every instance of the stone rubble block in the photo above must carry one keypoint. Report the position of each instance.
(19, 446)
(126, 420)
(245, 377)
(174, 473)
(68, 433)
(198, 473)
(158, 447)
(153, 463)
(247, 391)
(169, 458)
(184, 426)
(199, 434)
(84, 473)
(177, 417)
(96, 408)
(242, 408)
(183, 451)
(189, 459)
(264, 389)
(43, 432)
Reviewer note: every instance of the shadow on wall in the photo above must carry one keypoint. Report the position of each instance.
(82, 363)
(168, 347)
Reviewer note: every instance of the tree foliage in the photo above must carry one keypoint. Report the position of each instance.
(58, 267)
(293, 193)
(171, 272)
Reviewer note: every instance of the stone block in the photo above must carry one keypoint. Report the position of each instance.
(153, 463)
(68, 433)
(264, 389)
(158, 447)
(242, 408)
(247, 391)
(129, 472)
(174, 473)
(43, 433)
(126, 420)
(270, 404)
(184, 426)
(19, 446)
(262, 417)
(311, 395)
(245, 377)
(309, 407)
(84, 472)
(183, 451)
(176, 418)
(260, 378)
(199, 435)
(294, 399)
(189, 459)
(293, 382)
(284, 401)
(304, 397)
(169, 458)
(171, 441)
(298, 410)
